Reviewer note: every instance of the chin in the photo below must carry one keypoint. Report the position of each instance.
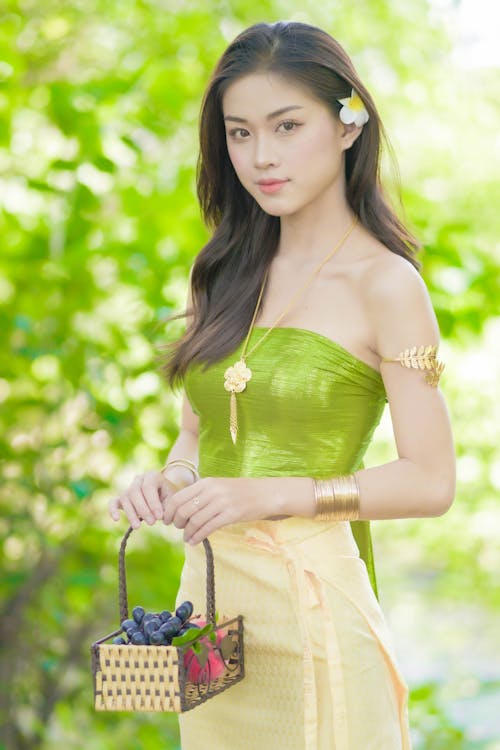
(277, 213)
(281, 212)
(271, 210)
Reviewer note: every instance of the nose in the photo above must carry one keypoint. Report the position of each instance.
(264, 153)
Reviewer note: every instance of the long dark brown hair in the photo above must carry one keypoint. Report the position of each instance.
(229, 270)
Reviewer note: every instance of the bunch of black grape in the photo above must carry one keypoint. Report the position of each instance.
(156, 629)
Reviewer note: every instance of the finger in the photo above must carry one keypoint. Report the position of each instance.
(216, 522)
(136, 497)
(114, 508)
(151, 493)
(130, 512)
(175, 501)
(183, 514)
(198, 519)
(194, 502)
(135, 494)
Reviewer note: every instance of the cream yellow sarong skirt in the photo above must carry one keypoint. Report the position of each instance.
(320, 672)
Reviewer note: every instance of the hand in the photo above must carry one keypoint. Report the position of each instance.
(144, 499)
(221, 501)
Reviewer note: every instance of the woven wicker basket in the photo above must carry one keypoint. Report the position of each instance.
(156, 678)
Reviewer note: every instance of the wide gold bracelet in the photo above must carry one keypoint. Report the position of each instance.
(337, 499)
(186, 463)
(324, 498)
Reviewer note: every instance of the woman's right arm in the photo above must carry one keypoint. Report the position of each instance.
(186, 446)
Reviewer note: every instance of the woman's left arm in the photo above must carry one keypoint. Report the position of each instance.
(421, 482)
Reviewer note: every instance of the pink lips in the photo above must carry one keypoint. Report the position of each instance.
(271, 186)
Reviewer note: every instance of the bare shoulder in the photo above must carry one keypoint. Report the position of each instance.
(397, 303)
(388, 274)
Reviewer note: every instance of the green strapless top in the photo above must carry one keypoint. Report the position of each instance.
(310, 409)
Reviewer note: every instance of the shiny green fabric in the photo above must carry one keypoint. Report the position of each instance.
(310, 409)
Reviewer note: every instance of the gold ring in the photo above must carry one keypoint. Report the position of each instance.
(196, 501)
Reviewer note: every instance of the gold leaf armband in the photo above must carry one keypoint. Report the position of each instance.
(421, 358)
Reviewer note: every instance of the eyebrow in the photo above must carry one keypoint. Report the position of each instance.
(269, 116)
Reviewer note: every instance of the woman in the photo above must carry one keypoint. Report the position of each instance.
(302, 307)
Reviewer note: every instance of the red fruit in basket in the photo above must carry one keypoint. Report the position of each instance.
(214, 666)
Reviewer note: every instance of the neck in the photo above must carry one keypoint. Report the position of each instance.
(306, 235)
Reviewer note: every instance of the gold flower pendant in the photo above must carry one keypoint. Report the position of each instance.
(235, 381)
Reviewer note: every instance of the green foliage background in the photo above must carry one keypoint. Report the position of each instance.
(98, 143)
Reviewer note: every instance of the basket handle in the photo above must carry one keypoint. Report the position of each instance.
(122, 580)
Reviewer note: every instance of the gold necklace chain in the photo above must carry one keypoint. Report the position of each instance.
(237, 376)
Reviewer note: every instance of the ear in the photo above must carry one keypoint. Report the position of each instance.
(348, 134)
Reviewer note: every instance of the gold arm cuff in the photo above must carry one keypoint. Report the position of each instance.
(337, 499)
(421, 358)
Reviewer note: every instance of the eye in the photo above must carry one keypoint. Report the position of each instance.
(289, 122)
(233, 132)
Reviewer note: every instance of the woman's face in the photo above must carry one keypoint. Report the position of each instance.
(302, 146)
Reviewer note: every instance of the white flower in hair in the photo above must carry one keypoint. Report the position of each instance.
(353, 110)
